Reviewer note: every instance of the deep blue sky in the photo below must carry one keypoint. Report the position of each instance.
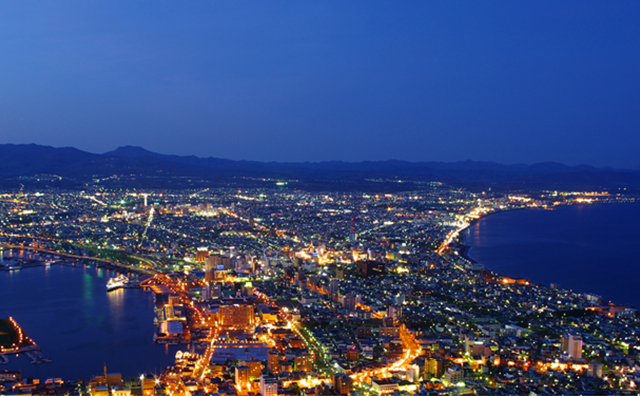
(310, 80)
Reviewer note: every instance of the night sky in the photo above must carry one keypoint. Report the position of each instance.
(510, 82)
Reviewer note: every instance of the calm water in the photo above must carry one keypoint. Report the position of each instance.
(586, 248)
(69, 314)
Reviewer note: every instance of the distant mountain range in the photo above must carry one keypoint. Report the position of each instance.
(129, 166)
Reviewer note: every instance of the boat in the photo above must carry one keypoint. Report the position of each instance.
(117, 282)
(4, 359)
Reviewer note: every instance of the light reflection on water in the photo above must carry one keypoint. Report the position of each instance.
(77, 323)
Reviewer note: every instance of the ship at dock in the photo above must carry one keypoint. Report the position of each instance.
(121, 281)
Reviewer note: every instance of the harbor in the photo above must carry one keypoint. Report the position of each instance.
(14, 341)
(74, 318)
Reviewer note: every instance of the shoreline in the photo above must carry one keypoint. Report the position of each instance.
(460, 240)
(465, 249)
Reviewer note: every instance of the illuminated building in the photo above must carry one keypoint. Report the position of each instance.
(237, 316)
(268, 386)
(273, 362)
(595, 369)
(371, 268)
(209, 263)
(342, 384)
(100, 390)
(266, 315)
(147, 384)
(286, 366)
(352, 353)
(434, 367)
(216, 291)
(394, 312)
(388, 329)
(9, 375)
(349, 302)
(242, 377)
(208, 276)
(121, 391)
(454, 375)
(201, 255)
(572, 346)
(383, 385)
(304, 362)
(103, 385)
(255, 368)
(413, 373)
(364, 332)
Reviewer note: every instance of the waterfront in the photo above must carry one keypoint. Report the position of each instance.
(77, 323)
(586, 248)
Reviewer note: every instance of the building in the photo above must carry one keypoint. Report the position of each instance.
(201, 255)
(334, 286)
(595, 370)
(255, 368)
(273, 362)
(434, 367)
(572, 346)
(388, 329)
(236, 316)
(454, 375)
(383, 385)
(242, 378)
(304, 362)
(10, 375)
(268, 385)
(349, 302)
(352, 353)
(394, 312)
(342, 384)
(371, 268)
(210, 263)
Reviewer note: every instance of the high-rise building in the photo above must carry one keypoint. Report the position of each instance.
(342, 384)
(201, 254)
(242, 378)
(352, 353)
(273, 361)
(394, 312)
(268, 386)
(216, 291)
(434, 367)
(572, 346)
(334, 286)
(349, 302)
(210, 263)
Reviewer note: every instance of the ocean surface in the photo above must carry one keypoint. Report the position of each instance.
(68, 312)
(585, 248)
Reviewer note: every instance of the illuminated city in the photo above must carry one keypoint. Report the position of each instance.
(276, 291)
(319, 198)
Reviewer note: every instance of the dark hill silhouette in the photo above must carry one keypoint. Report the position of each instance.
(19, 162)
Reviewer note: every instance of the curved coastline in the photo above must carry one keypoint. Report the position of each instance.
(460, 240)
(613, 284)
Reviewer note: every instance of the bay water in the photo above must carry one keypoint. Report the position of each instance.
(585, 248)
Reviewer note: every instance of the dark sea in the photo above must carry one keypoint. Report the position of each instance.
(68, 312)
(585, 248)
